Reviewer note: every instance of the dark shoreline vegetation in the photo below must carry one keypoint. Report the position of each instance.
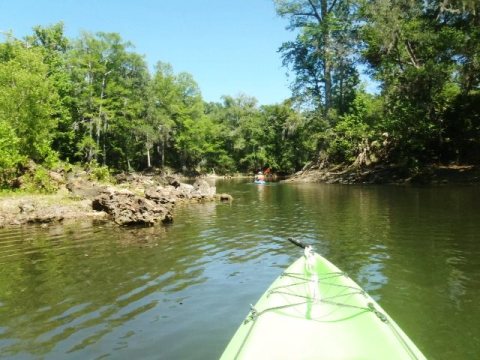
(91, 102)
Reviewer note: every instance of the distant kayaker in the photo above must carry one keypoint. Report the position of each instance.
(260, 176)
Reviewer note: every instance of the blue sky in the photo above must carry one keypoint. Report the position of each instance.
(229, 46)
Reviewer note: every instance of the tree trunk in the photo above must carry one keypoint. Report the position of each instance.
(327, 68)
(101, 118)
(163, 154)
(98, 140)
(90, 132)
(341, 95)
(104, 142)
(148, 158)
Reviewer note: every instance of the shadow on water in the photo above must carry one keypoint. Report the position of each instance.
(179, 292)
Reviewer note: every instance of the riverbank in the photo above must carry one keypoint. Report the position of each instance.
(434, 175)
(134, 199)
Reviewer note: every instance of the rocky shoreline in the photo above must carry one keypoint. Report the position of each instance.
(149, 199)
(135, 199)
(382, 174)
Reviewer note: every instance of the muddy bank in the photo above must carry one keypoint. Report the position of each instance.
(434, 175)
(134, 199)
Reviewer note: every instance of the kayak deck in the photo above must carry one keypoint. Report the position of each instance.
(318, 314)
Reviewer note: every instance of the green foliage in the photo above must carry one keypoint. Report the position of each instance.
(420, 52)
(322, 55)
(10, 156)
(345, 139)
(99, 173)
(353, 133)
(93, 100)
(38, 180)
(285, 138)
(86, 148)
(461, 142)
(27, 99)
(54, 46)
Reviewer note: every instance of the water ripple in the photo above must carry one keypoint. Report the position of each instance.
(77, 291)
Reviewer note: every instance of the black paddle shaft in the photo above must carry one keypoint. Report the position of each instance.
(297, 242)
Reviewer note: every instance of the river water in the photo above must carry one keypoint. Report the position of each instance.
(77, 291)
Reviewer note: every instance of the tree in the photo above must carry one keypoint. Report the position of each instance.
(285, 137)
(322, 55)
(188, 118)
(109, 85)
(242, 131)
(158, 118)
(10, 154)
(418, 51)
(54, 46)
(127, 101)
(165, 107)
(27, 100)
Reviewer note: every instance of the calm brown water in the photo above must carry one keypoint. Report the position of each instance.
(179, 292)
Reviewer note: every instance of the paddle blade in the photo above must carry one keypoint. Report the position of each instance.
(297, 242)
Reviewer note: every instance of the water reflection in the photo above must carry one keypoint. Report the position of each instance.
(75, 291)
(78, 291)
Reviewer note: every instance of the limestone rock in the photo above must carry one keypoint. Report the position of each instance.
(127, 208)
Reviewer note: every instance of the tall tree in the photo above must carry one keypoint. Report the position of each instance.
(321, 56)
(27, 100)
(421, 52)
(177, 118)
(284, 137)
(188, 140)
(109, 82)
(241, 116)
(128, 101)
(53, 44)
(164, 109)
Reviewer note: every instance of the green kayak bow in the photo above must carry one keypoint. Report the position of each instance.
(315, 311)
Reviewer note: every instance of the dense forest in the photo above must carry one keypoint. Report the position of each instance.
(93, 101)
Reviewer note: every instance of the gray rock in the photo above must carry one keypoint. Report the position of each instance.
(159, 195)
(26, 208)
(202, 189)
(184, 191)
(129, 209)
(173, 181)
(57, 177)
(225, 197)
(84, 189)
